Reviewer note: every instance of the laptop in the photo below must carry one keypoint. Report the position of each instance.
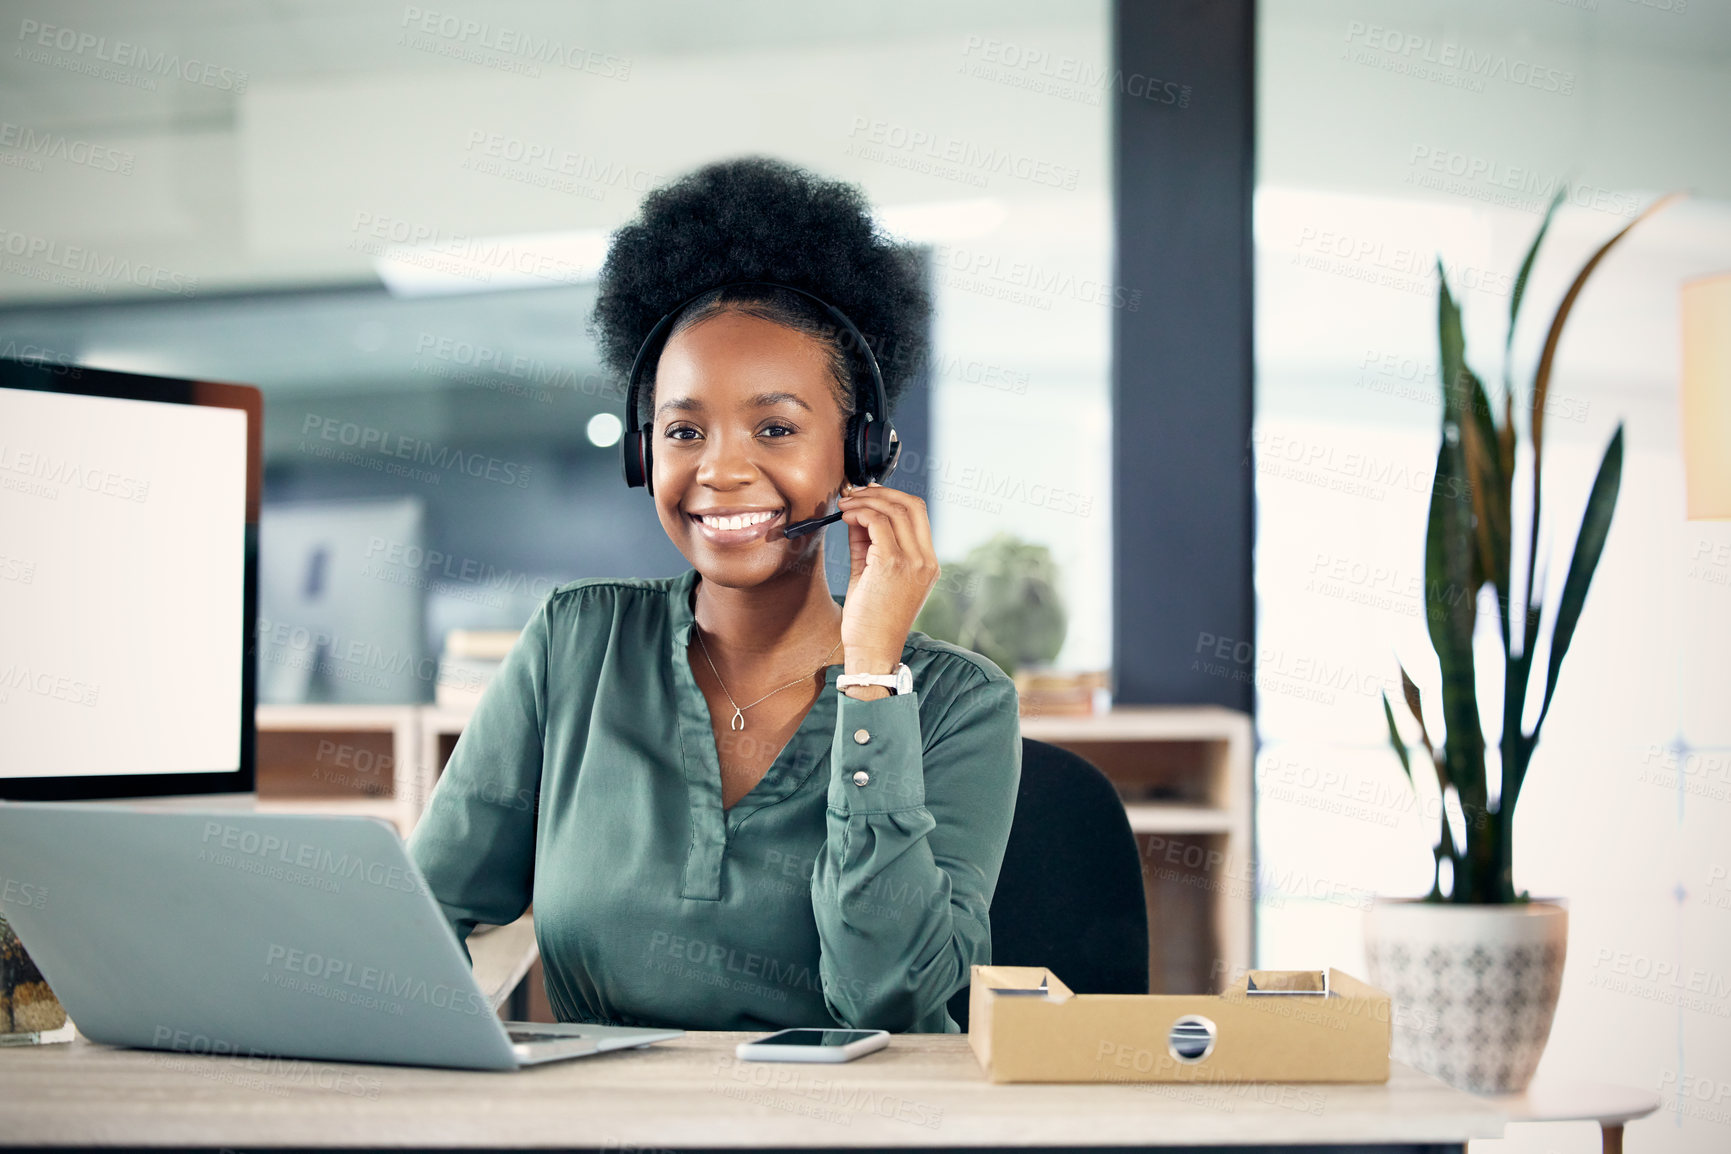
(289, 935)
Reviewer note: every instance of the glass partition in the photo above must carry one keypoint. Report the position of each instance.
(389, 217)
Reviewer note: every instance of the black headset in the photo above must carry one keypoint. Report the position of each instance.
(871, 447)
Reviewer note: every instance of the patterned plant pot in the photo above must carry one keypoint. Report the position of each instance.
(1474, 988)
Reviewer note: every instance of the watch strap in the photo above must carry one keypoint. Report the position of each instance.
(901, 681)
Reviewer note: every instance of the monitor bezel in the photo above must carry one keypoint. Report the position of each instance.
(79, 380)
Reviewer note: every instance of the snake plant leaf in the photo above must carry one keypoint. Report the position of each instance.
(1416, 705)
(1506, 461)
(1517, 748)
(1547, 357)
(1589, 544)
(1519, 669)
(1460, 481)
(1542, 377)
(1506, 440)
(1491, 491)
(1452, 347)
(1450, 614)
(1520, 289)
(1540, 568)
(1413, 701)
(1399, 745)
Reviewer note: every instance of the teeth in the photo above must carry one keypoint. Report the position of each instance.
(740, 521)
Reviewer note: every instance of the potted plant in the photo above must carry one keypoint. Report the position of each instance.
(1001, 601)
(1474, 968)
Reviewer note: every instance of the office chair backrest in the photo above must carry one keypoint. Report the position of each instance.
(1069, 893)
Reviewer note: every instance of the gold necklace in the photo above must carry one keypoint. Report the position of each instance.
(737, 721)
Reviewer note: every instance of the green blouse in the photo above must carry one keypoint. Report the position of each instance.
(849, 887)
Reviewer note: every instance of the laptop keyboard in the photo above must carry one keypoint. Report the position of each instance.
(538, 1035)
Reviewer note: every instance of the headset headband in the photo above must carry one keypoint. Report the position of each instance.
(657, 335)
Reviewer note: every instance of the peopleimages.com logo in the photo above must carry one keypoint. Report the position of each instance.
(90, 47)
(220, 838)
(82, 267)
(1429, 58)
(327, 976)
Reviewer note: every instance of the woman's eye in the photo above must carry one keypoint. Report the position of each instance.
(780, 430)
(677, 432)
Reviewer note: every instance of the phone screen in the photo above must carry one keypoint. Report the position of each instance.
(809, 1036)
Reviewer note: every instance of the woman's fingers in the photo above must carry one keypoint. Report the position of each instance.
(907, 521)
(882, 532)
(904, 536)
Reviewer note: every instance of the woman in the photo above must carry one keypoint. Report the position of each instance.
(712, 834)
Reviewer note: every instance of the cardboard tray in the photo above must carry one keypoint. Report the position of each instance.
(1271, 1026)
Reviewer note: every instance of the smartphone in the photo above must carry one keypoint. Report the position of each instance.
(812, 1045)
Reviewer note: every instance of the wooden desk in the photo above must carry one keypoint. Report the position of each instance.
(924, 1091)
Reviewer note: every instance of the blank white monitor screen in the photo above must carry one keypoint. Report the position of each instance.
(122, 575)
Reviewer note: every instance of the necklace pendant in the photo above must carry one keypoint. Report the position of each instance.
(738, 722)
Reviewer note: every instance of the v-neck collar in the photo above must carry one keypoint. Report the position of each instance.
(710, 824)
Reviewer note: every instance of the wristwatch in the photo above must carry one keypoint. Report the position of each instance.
(901, 681)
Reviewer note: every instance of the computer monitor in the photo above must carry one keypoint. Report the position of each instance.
(128, 583)
(341, 619)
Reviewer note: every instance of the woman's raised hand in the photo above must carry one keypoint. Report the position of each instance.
(893, 567)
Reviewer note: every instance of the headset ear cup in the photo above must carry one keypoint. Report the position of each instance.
(855, 451)
(877, 450)
(634, 453)
(886, 452)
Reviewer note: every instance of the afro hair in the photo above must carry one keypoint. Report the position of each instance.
(760, 219)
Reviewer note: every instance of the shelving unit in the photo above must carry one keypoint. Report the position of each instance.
(1184, 773)
(341, 759)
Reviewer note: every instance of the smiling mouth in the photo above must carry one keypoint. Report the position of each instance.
(741, 523)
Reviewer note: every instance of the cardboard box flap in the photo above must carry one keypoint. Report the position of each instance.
(1287, 982)
(1007, 979)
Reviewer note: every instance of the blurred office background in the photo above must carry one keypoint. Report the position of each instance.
(388, 217)
(392, 226)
